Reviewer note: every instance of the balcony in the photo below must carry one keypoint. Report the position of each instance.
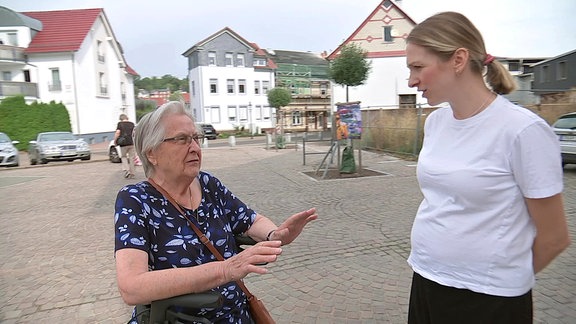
(12, 88)
(56, 86)
(12, 54)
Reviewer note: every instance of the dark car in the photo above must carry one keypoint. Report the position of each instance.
(57, 146)
(565, 128)
(209, 131)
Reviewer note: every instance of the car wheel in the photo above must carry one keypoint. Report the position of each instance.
(43, 161)
(86, 158)
(33, 161)
(113, 155)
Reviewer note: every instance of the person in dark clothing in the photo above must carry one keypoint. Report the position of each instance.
(123, 138)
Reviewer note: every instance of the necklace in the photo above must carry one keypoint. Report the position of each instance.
(194, 211)
(482, 106)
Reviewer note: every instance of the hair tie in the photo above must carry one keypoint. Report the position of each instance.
(489, 58)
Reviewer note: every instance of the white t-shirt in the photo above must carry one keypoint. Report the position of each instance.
(472, 229)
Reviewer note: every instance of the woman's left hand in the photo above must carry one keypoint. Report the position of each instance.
(289, 230)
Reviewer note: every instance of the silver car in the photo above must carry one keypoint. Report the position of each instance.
(57, 146)
(565, 128)
(8, 153)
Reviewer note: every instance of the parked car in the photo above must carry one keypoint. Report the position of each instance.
(57, 146)
(209, 131)
(8, 152)
(565, 128)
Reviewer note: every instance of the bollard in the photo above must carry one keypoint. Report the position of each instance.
(232, 140)
(204, 142)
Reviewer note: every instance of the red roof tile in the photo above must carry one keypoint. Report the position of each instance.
(63, 30)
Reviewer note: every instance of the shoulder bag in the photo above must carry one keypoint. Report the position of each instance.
(258, 311)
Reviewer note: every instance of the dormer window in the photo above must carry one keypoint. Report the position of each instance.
(240, 60)
(228, 59)
(212, 58)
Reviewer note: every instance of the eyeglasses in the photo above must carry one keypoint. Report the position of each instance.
(184, 139)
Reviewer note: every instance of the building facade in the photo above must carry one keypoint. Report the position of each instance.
(229, 81)
(68, 56)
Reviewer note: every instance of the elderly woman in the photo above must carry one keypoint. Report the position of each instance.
(158, 254)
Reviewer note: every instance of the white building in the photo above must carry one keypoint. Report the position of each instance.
(68, 56)
(229, 81)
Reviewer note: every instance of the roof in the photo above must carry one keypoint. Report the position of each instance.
(225, 30)
(386, 6)
(63, 30)
(10, 18)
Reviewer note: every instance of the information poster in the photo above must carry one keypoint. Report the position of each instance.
(348, 121)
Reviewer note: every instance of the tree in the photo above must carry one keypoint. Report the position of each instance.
(350, 68)
(278, 98)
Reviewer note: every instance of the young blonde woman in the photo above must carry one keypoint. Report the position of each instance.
(490, 173)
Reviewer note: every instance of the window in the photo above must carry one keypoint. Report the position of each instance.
(388, 34)
(240, 60)
(257, 87)
(265, 86)
(228, 59)
(55, 84)
(242, 86)
(232, 113)
(102, 84)
(123, 89)
(230, 86)
(214, 114)
(323, 89)
(257, 112)
(259, 62)
(296, 118)
(243, 110)
(6, 76)
(213, 85)
(212, 58)
(266, 112)
(514, 66)
(193, 88)
(407, 100)
(545, 74)
(27, 76)
(100, 51)
(12, 39)
(562, 70)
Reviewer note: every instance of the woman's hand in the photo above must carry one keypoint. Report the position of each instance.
(250, 260)
(289, 230)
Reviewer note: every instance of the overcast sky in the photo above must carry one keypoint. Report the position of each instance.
(154, 34)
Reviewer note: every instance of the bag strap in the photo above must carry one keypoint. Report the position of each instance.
(201, 235)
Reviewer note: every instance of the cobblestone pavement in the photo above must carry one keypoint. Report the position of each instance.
(347, 267)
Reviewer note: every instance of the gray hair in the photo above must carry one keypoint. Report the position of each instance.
(150, 131)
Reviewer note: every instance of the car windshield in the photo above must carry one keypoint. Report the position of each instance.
(4, 138)
(56, 137)
(566, 122)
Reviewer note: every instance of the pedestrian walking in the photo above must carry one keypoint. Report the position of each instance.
(123, 138)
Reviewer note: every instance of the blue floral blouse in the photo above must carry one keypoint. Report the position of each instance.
(145, 220)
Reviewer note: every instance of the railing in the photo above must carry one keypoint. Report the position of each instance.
(56, 86)
(12, 88)
(12, 53)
